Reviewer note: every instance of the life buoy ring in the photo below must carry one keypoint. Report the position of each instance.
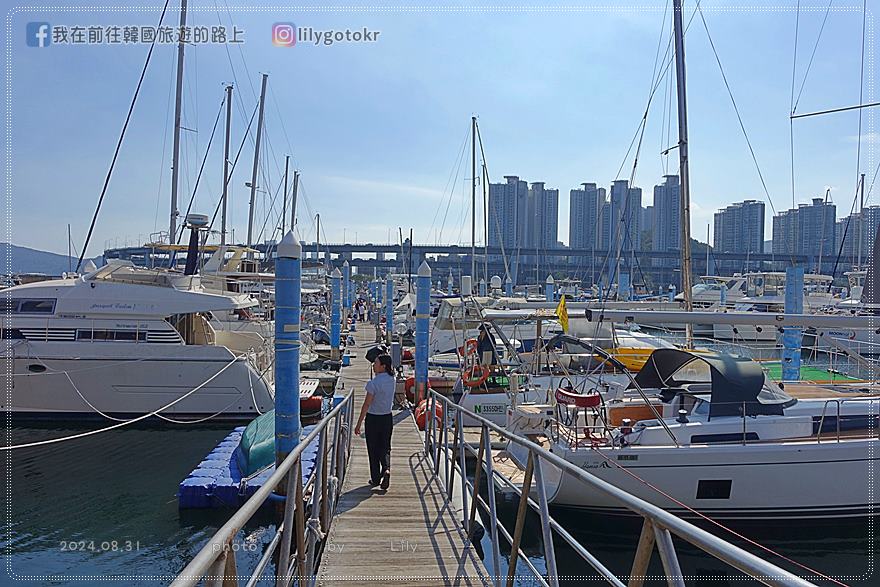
(468, 348)
(476, 375)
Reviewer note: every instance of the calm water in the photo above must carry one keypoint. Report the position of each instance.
(120, 486)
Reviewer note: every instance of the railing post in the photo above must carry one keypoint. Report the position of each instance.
(643, 555)
(520, 520)
(286, 532)
(427, 426)
(477, 474)
(462, 460)
(300, 524)
(325, 507)
(546, 531)
(671, 567)
(442, 441)
(493, 512)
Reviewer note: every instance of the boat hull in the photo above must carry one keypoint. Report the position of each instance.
(55, 381)
(780, 480)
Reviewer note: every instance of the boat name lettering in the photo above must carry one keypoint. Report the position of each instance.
(112, 306)
(489, 408)
(599, 465)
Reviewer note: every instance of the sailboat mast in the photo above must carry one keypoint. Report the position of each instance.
(250, 232)
(178, 106)
(683, 166)
(486, 221)
(473, 198)
(294, 198)
(226, 165)
(284, 203)
(861, 220)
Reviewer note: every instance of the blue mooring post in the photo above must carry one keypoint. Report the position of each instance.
(449, 284)
(623, 287)
(508, 287)
(423, 312)
(792, 335)
(671, 292)
(335, 313)
(346, 288)
(723, 299)
(389, 307)
(288, 297)
(550, 289)
(483, 287)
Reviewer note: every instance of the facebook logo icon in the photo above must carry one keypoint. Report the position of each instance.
(39, 34)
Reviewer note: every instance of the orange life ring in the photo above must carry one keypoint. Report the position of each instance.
(476, 375)
(468, 348)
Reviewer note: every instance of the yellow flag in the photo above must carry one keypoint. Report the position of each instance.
(562, 312)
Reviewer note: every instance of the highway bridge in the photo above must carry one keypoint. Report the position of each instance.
(525, 264)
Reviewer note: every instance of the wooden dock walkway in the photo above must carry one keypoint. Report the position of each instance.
(407, 535)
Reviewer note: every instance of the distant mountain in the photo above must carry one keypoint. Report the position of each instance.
(25, 260)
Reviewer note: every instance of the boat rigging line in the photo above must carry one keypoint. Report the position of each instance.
(134, 98)
(742, 125)
(201, 169)
(234, 163)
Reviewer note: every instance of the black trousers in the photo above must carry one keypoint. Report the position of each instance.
(378, 429)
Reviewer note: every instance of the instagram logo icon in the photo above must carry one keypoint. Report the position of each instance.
(284, 34)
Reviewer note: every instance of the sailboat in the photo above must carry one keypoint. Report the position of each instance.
(720, 441)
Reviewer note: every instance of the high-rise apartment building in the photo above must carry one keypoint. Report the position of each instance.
(584, 212)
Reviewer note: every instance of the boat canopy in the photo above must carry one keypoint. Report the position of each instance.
(733, 381)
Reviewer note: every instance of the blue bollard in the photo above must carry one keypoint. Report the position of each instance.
(550, 289)
(792, 336)
(449, 284)
(423, 313)
(346, 289)
(483, 287)
(389, 307)
(335, 313)
(723, 301)
(508, 287)
(623, 286)
(288, 297)
(671, 292)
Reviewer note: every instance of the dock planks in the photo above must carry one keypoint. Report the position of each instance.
(407, 535)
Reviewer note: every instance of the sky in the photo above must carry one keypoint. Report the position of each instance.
(379, 130)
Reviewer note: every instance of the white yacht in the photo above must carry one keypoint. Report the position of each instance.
(721, 443)
(122, 341)
(765, 292)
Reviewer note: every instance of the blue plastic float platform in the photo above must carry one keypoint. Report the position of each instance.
(218, 482)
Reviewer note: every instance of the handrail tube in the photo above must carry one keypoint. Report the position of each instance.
(566, 536)
(264, 560)
(736, 557)
(546, 532)
(493, 510)
(197, 567)
(522, 555)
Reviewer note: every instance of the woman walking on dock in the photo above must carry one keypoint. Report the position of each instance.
(376, 410)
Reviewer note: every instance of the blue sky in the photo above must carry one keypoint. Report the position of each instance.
(376, 129)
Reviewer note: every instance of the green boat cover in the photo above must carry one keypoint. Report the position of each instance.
(257, 447)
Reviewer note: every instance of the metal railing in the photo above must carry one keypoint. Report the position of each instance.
(658, 527)
(869, 431)
(295, 551)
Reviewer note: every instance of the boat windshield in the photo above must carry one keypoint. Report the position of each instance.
(771, 393)
(695, 371)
